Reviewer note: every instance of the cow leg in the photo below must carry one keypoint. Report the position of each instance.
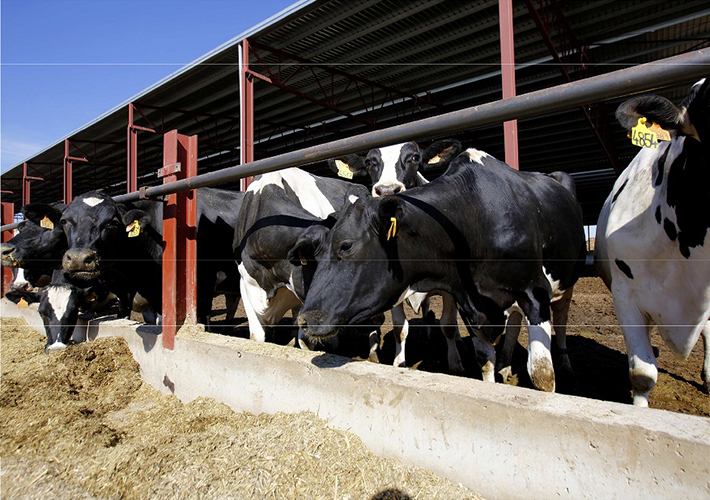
(705, 375)
(512, 332)
(485, 356)
(450, 330)
(374, 343)
(643, 368)
(536, 308)
(400, 329)
(232, 303)
(251, 291)
(560, 312)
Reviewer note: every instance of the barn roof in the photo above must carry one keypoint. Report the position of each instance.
(345, 67)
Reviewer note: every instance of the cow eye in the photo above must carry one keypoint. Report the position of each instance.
(64, 222)
(345, 247)
(415, 158)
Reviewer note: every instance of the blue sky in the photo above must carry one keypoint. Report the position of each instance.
(65, 62)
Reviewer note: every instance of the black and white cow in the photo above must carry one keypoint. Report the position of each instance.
(651, 245)
(392, 170)
(279, 209)
(489, 235)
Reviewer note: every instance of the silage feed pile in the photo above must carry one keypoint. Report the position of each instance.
(81, 424)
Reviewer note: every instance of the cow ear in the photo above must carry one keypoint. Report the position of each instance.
(136, 220)
(308, 246)
(29, 297)
(43, 214)
(348, 166)
(654, 108)
(390, 212)
(440, 154)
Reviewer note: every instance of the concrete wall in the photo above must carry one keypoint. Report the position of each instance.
(501, 441)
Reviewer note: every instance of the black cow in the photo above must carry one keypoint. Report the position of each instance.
(279, 209)
(37, 248)
(392, 170)
(489, 235)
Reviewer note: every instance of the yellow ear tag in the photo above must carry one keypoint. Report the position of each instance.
(393, 229)
(92, 297)
(304, 262)
(22, 304)
(434, 160)
(133, 229)
(343, 170)
(46, 223)
(644, 136)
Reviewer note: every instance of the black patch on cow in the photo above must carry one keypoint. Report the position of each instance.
(624, 268)
(688, 192)
(670, 229)
(616, 195)
(661, 166)
(658, 214)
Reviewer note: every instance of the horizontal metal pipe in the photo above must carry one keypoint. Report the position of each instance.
(8, 227)
(657, 74)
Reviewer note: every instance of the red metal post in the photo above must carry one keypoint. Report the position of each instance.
(67, 173)
(131, 153)
(26, 184)
(7, 215)
(179, 237)
(246, 111)
(507, 63)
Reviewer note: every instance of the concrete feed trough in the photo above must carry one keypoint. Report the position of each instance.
(499, 440)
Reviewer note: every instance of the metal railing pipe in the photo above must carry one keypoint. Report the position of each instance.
(623, 82)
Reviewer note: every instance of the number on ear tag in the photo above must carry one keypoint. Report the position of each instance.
(393, 229)
(644, 136)
(343, 170)
(46, 223)
(133, 229)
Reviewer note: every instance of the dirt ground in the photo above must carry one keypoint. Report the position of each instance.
(81, 424)
(595, 345)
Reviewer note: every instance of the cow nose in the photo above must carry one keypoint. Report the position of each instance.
(6, 251)
(388, 189)
(311, 324)
(81, 259)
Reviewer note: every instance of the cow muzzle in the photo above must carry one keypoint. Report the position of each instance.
(311, 323)
(388, 189)
(81, 263)
(8, 257)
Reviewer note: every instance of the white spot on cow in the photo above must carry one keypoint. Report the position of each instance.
(554, 284)
(58, 297)
(57, 346)
(303, 185)
(352, 198)
(390, 156)
(20, 282)
(476, 155)
(92, 202)
(699, 83)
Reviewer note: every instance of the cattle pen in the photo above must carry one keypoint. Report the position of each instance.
(502, 441)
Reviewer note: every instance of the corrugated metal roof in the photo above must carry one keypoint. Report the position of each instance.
(448, 51)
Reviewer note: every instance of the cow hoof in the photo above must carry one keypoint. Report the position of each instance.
(543, 375)
(706, 387)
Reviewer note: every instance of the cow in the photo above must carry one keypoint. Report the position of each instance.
(102, 247)
(651, 245)
(279, 209)
(392, 170)
(37, 247)
(487, 234)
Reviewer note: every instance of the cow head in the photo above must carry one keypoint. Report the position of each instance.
(359, 274)
(40, 242)
(394, 169)
(692, 118)
(59, 307)
(96, 235)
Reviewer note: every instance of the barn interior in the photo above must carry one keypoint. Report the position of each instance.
(323, 70)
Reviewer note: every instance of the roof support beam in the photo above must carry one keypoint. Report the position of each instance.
(507, 66)
(595, 113)
(246, 111)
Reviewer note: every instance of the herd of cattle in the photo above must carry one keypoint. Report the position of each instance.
(497, 244)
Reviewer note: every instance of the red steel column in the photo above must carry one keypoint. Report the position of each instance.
(131, 154)
(25, 185)
(7, 216)
(67, 173)
(179, 237)
(246, 111)
(507, 63)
